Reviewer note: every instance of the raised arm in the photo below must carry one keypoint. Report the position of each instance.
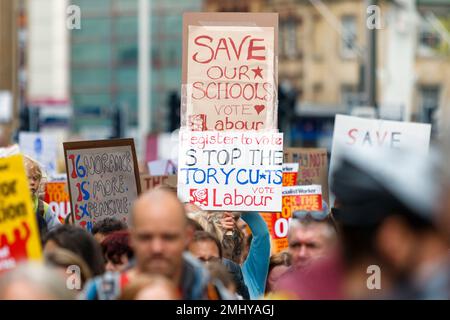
(256, 266)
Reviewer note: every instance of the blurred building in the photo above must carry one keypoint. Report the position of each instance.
(322, 56)
(8, 70)
(104, 62)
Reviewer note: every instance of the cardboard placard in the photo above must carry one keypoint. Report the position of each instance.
(149, 182)
(19, 233)
(295, 198)
(57, 197)
(229, 71)
(103, 179)
(162, 167)
(313, 166)
(232, 171)
(290, 174)
(353, 132)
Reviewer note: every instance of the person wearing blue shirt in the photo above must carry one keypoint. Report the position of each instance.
(256, 265)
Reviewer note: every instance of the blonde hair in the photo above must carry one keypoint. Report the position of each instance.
(63, 258)
(33, 165)
(45, 279)
(140, 282)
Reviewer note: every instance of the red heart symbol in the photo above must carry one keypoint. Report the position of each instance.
(259, 108)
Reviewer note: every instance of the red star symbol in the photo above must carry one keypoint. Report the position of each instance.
(257, 72)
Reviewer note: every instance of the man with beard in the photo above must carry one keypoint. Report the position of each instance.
(159, 235)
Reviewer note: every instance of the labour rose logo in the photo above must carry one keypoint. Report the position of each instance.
(197, 122)
(199, 196)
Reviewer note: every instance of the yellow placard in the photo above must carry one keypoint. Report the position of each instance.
(19, 234)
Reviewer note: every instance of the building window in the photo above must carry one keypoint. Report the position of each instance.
(349, 96)
(348, 36)
(288, 38)
(429, 102)
(430, 42)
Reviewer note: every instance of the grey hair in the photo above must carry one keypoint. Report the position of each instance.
(295, 223)
(44, 278)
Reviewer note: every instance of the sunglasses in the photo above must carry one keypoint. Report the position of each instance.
(316, 215)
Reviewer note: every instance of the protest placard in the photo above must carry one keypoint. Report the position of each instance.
(41, 147)
(295, 198)
(353, 132)
(149, 182)
(162, 167)
(232, 171)
(229, 71)
(290, 174)
(57, 197)
(19, 234)
(103, 179)
(313, 166)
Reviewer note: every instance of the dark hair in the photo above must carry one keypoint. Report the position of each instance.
(108, 225)
(206, 236)
(80, 242)
(117, 244)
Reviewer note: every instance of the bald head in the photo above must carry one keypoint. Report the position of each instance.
(158, 202)
(159, 233)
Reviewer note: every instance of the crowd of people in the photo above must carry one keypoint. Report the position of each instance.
(386, 236)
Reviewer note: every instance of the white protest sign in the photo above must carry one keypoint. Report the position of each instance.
(162, 167)
(232, 171)
(42, 148)
(352, 133)
(6, 106)
(290, 167)
(314, 189)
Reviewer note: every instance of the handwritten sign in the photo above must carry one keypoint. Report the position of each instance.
(313, 166)
(229, 71)
(295, 198)
(235, 171)
(150, 182)
(57, 197)
(353, 132)
(103, 179)
(19, 234)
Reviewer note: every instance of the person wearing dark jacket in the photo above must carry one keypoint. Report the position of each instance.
(159, 235)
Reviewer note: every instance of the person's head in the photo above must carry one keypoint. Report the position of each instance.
(159, 233)
(65, 259)
(106, 226)
(34, 281)
(117, 251)
(385, 210)
(442, 218)
(194, 225)
(150, 287)
(310, 239)
(34, 174)
(80, 242)
(205, 247)
(278, 265)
